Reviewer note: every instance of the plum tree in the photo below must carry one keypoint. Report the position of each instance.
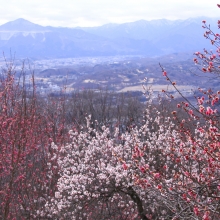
(168, 168)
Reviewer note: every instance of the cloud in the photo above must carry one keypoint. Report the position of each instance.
(72, 13)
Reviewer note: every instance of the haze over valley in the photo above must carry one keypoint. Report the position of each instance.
(113, 56)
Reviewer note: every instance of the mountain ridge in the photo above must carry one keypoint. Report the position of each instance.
(146, 38)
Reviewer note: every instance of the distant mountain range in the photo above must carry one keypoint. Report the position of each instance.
(149, 38)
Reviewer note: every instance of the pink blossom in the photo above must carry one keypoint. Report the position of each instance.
(209, 111)
(156, 175)
(190, 112)
(200, 101)
(159, 186)
(196, 210)
(125, 167)
(142, 169)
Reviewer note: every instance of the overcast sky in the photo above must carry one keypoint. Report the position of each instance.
(72, 13)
